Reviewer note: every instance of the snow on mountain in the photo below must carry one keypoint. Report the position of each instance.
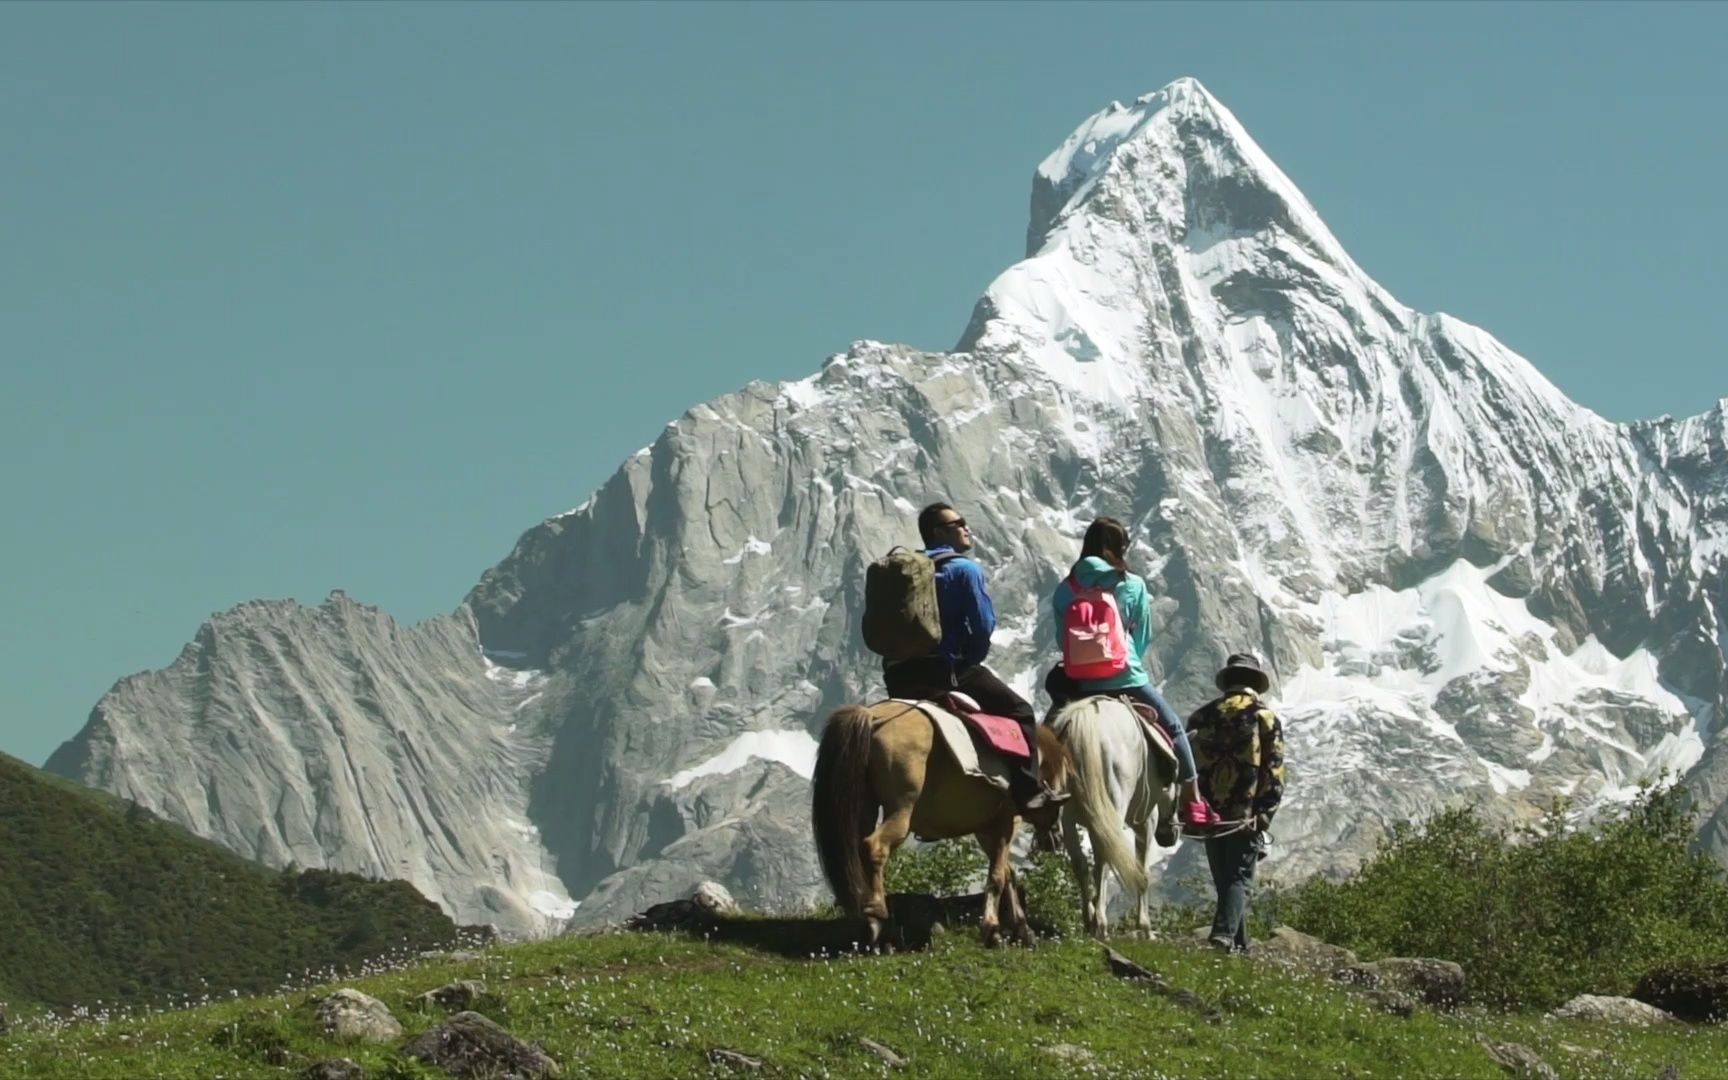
(1467, 586)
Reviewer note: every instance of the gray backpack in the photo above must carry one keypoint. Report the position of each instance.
(901, 619)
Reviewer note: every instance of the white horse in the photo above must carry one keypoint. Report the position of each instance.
(1119, 780)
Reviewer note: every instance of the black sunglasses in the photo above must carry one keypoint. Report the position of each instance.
(957, 523)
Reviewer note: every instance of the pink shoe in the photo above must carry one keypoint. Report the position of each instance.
(1200, 812)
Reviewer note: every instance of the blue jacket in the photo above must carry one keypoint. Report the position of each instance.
(968, 618)
(1135, 605)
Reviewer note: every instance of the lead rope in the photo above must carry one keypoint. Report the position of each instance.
(1215, 832)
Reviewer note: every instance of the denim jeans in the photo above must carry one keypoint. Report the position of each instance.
(1232, 860)
(1185, 770)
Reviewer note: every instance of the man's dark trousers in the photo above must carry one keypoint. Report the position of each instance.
(1232, 860)
(931, 677)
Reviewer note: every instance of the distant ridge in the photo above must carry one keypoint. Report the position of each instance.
(101, 901)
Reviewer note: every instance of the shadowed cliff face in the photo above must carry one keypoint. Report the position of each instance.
(1467, 585)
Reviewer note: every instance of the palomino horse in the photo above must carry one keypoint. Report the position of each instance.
(887, 758)
(1118, 780)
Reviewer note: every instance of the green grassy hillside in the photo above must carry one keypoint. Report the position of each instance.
(656, 1005)
(102, 902)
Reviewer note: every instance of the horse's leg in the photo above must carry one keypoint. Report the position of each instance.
(1143, 851)
(1017, 913)
(898, 780)
(1101, 900)
(994, 839)
(1163, 781)
(1082, 872)
(879, 846)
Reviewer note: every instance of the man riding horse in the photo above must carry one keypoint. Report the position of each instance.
(968, 621)
(894, 769)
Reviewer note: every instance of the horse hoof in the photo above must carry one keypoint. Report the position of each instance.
(992, 938)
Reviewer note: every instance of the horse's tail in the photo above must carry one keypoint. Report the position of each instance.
(1078, 728)
(842, 807)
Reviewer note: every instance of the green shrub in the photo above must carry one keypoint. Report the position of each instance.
(945, 868)
(1046, 884)
(262, 1039)
(1536, 916)
(957, 867)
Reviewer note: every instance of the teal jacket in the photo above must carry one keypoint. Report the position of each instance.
(1132, 601)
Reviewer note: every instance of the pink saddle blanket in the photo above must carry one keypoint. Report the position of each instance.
(999, 733)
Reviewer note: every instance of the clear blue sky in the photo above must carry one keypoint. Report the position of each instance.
(302, 297)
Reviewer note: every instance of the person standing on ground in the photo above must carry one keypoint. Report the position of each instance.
(1239, 748)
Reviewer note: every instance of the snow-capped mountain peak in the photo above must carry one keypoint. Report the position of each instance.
(1142, 204)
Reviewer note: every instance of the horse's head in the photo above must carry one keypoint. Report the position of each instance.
(1055, 763)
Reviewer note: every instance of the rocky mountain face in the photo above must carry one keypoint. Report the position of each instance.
(332, 737)
(1468, 587)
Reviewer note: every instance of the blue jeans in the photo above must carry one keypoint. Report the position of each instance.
(1167, 719)
(1232, 860)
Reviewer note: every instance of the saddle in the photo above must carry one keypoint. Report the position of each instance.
(1064, 691)
(970, 753)
(1152, 729)
(998, 734)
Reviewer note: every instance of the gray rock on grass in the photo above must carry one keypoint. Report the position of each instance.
(714, 898)
(732, 1059)
(1517, 1059)
(1395, 1002)
(1295, 949)
(1439, 983)
(350, 1015)
(470, 1045)
(1612, 1010)
(461, 994)
(889, 1057)
(1070, 1054)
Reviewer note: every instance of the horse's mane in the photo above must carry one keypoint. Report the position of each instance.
(1066, 714)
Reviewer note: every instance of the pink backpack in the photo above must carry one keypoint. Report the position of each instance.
(1093, 644)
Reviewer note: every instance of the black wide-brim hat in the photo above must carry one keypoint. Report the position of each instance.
(1242, 669)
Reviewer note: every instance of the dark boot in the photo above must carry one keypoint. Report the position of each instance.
(1036, 804)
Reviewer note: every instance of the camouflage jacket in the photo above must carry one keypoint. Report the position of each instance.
(1239, 750)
